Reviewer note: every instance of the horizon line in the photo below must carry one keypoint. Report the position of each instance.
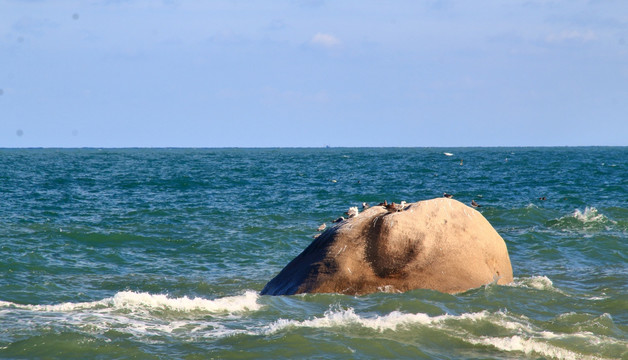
(305, 147)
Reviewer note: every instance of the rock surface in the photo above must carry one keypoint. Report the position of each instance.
(438, 244)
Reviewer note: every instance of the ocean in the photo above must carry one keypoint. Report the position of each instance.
(162, 253)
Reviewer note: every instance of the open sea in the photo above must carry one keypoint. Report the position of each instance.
(162, 253)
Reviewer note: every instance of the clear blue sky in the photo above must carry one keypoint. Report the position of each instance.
(313, 73)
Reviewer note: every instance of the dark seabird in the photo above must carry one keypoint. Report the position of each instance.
(385, 203)
(339, 219)
(448, 196)
(474, 204)
(543, 198)
(393, 207)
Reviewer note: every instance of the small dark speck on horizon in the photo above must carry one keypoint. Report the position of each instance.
(19, 132)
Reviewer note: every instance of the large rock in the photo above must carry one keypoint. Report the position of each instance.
(438, 244)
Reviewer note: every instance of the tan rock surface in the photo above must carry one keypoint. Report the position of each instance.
(438, 244)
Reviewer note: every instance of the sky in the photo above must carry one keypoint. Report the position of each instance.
(313, 73)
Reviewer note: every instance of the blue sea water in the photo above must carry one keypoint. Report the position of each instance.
(162, 253)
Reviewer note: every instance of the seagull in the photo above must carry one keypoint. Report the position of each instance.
(322, 227)
(353, 211)
(474, 204)
(448, 196)
(365, 206)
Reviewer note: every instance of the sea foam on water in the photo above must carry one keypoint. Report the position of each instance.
(135, 300)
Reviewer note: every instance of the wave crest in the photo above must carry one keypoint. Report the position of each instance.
(511, 333)
(534, 282)
(139, 300)
(589, 219)
(590, 214)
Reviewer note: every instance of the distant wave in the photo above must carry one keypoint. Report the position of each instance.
(588, 219)
(590, 214)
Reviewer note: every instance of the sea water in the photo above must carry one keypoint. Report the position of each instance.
(162, 253)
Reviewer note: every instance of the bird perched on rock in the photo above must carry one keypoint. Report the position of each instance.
(339, 219)
(474, 204)
(365, 206)
(353, 211)
(322, 227)
(393, 207)
(448, 196)
(385, 203)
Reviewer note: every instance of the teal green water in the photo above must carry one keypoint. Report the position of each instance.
(161, 253)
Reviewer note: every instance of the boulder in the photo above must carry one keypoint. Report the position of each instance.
(438, 244)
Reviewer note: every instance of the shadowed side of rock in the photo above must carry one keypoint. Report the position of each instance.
(438, 244)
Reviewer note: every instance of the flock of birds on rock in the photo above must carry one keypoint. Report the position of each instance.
(353, 212)
(392, 208)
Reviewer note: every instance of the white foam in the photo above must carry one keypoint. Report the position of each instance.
(528, 346)
(518, 334)
(348, 317)
(393, 321)
(134, 300)
(231, 304)
(534, 282)
(524, 337)
(590, 214)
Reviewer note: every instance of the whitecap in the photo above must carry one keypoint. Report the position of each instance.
(521, 336)
(528, 346)
(448, 154)
(393, 321)
(140, 315)
(135, 300)
(534, 282)
(589, 219)
(590, 214)
(230, 304)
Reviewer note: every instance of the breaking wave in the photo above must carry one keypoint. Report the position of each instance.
(137, 300)
(589, 219)
(159, 318)
(509, 333)
(534, 282)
